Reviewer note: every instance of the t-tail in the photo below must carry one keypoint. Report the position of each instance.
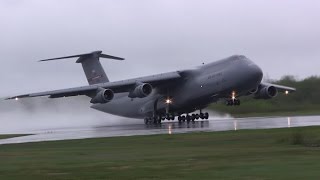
(91, 65)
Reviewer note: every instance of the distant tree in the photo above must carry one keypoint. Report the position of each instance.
(289, 78)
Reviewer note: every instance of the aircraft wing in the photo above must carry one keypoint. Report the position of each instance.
(60, 93)
(116, 87)
(280, 88)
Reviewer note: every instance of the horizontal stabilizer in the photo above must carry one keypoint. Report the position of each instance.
(97, 54)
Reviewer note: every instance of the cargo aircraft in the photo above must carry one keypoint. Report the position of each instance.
(183, 94)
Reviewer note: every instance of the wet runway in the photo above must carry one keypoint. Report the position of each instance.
(165, 128)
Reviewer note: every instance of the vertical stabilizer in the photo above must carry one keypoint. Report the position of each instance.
(91, 65)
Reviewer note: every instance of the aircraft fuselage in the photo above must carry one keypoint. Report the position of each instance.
(198, 88)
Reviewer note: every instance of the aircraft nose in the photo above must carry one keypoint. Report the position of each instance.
(255, 72)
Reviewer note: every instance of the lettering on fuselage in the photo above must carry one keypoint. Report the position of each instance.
(214, 76)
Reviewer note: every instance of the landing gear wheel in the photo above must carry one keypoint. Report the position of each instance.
(237, 102)
(188, 118)
(168, 117)
(158, 119)
(201, 115)
(230, 102)
(233, 102)
(193, 117)
(183, 118)
(146, 121)
(206, 115)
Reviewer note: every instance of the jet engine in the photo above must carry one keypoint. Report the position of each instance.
(266, 92)
(141, 91)
(103, 96)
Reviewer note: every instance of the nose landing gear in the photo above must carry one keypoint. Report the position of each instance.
(233, 102)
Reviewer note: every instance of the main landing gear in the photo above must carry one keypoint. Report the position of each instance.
(193, 117)
(152, 120)
(158, 119)
(182, 118)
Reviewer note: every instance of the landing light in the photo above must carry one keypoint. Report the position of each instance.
(233, 95)
(16, 99)
(286, 92)
(168, 101)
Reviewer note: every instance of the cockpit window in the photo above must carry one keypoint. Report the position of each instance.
(237, 58)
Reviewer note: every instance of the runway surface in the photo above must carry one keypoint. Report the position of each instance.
(165, 128)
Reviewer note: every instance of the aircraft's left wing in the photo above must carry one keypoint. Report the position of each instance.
(116, 87)
(85, 90)
(280, 88)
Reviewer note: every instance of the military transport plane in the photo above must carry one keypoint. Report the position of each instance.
(168, 95)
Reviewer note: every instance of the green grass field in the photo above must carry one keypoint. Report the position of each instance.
(247, 154)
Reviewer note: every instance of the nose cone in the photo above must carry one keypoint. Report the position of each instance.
(255, 73)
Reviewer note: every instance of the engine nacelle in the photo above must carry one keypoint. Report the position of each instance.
(103, 96)
(266, 92)
(141, 91)
(253, 91)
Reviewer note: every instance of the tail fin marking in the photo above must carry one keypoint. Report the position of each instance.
(91, 65)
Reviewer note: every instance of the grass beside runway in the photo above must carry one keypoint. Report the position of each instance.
(246, 154)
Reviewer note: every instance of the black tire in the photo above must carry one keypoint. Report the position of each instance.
(146, 121)
(201, 115)
(155, 120)
(193, 117)
(206, 115)
(188, 118)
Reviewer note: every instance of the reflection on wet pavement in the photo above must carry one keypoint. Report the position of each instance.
(165, 128)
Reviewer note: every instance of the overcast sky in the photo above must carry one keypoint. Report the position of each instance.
(282, 37)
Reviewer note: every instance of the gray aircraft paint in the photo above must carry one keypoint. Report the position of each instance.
(199, 87)
(188, 90)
